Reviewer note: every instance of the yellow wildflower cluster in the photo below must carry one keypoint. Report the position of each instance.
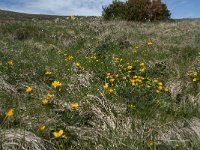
(159, 86)
(93, 57)
(132, 75)
(117, 60)
(194, 77)
(68, 57)
(135, 80)
(106, 87)
(46, 100)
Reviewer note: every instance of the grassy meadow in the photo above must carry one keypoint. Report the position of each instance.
(88, 84)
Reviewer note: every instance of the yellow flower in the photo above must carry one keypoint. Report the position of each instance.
(69, 58)
(138, 80)
(112, 80)
(131, 106)
(116, 60)
(42, 127)
(120, 66)
(149, 43)
(194, 79)
(77, 64)
(160, 83)
(108, 74)
(134, 51)
(132, 81)
(105, 86)
(142, 70)
(142, 78)
(124, 78)
(148, 86)
(142, 64)
(111, 90)
(10, 62)
(198, 53)
(160, 88)
(45, 101)
(134, 77)
(177, 146)
(157, 91)
(50, 95)
(136, 61)
(74, 105)
(129, 67)
(116, 75)
(29, 89)
(195, 74)
(151, 143)
(56, 84)
(166, 90)
(10, 112)
(48, 73)
(155, 81)
(59, 134)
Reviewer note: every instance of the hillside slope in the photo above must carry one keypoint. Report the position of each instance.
(6, 16)
(85, 83)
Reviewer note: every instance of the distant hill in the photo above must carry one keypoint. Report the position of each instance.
(16, 16)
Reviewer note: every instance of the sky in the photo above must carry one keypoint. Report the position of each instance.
(178, 8)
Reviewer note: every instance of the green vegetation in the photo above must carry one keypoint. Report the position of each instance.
(137, 10)
(86, 83)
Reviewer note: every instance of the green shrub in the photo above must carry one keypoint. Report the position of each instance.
(137, 10)
(114, 10)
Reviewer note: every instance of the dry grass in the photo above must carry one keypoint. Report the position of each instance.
(20, 139)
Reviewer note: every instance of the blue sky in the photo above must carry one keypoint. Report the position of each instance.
(178, 8)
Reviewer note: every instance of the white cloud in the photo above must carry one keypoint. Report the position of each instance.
(61, 7)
